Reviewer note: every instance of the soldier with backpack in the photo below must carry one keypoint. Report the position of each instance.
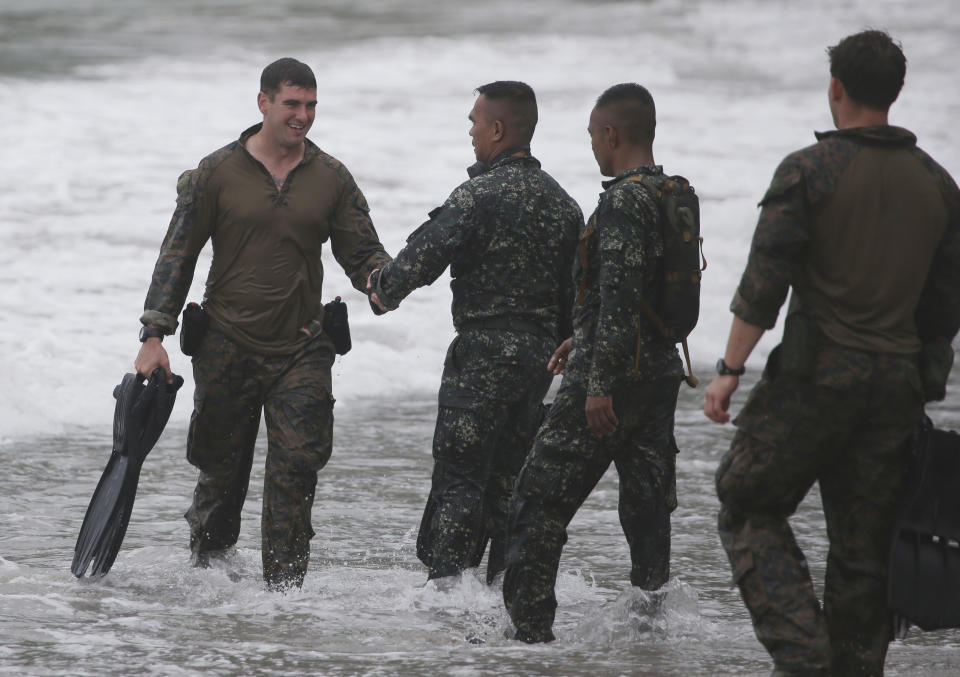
(621, 371)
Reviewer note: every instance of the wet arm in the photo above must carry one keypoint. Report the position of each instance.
(353, 239)
(743, 339)
(938, 313)
(190, 228)
(779, 244)
(567, 293)
(620, 289)
(428, 252)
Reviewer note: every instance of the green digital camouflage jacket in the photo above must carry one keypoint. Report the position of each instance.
(508, 236)
(619, 265)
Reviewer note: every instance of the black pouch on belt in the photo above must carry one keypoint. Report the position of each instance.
(193, 326)
(936, 361)
(336, 325)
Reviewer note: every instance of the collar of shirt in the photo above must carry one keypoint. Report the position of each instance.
(634, 171)
(504, 158)
(881, 135)
(311, 149)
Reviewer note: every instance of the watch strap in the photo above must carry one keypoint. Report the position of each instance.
(726, 370)
(150, 332)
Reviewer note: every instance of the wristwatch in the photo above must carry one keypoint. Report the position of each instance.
(150, 332)
(724, 370)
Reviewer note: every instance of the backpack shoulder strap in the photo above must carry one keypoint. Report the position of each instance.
(660, 183)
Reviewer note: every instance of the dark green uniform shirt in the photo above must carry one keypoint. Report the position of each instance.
(266, 277)
(866, 227)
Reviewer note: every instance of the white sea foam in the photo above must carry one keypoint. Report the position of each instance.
(90, 170)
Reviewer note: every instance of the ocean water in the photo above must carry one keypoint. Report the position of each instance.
(102, 105)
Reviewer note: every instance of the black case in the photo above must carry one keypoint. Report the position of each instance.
(337, 326)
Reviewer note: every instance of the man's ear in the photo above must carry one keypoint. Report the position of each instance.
(262, 100)
(498, 130)
(611, 135)
(837, 91)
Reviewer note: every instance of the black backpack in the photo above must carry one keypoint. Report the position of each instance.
(678, 305)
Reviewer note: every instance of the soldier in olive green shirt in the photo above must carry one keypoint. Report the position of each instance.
(268, 202)
(865, 229)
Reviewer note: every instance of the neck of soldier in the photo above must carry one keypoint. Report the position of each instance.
(504, 146)
(850, 115)
(273, 151)
(629, 157)
(278, 158)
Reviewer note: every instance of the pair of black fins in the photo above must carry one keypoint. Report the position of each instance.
(141, 412)
(924, 573)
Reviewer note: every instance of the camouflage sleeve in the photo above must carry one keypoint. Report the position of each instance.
(779, 243)
(429, 249)
(353, 239)
(567, 292)
(189, 230)
(938, 313)
(623, 255)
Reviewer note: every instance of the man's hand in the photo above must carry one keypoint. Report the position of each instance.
(558, 361)
(743, 339)
(717, 401)
(600, 415)
(373, 295)
(152, 355)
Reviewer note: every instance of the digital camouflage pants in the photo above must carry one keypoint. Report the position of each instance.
(564, 466)
(293, 392)
(845, 428)
(490, 406)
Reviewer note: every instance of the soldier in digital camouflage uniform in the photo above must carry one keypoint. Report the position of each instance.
(268, 202)
(619, 390)
(508, 235)
(865, 228)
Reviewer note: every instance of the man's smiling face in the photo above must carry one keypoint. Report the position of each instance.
(288, 115)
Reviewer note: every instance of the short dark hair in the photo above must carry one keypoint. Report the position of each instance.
(871, 67)
(286, 71)
(635, 111)
(521, 105)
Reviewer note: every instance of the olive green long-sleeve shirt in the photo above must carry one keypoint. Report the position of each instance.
(266, 277)
(866, 227)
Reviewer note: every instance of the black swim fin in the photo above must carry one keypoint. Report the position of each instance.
(141, 412)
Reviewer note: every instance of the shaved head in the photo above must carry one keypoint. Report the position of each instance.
(515, 104)
(629, 107)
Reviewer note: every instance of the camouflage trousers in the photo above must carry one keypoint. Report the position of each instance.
(845, 428)
(564, 466)
(233, 387)
(489, 412)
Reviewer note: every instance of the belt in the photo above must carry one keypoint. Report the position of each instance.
(507, 323)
